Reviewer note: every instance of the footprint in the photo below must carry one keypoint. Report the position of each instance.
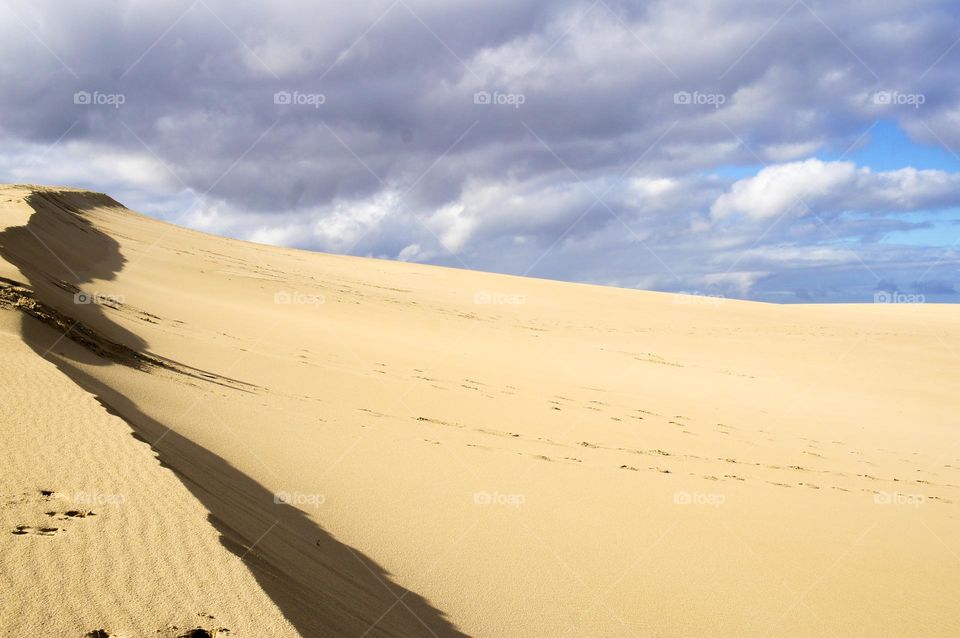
(22, 530)
(63, 516)
(169, 632)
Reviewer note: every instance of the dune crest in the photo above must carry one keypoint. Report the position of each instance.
(353, 446)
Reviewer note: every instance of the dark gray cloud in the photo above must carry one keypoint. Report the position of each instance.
(592, 141)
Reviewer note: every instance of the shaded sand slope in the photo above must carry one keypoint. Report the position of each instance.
(322, 586)
(466, 452)
(96, 535)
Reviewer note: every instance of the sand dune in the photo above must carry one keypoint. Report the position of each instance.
(276, 442)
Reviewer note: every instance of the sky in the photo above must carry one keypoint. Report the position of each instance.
(785, 151)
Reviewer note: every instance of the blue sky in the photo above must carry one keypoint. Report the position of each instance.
(889, 148)
(802, 151)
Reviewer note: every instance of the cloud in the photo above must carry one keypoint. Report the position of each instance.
(777, 189)
(815, 186)
(584, 165)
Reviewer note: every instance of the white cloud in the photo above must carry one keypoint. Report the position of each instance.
(346, 222)
(797, 188)
(81, 162)
(778, 189)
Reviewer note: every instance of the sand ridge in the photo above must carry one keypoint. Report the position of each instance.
(411, 450)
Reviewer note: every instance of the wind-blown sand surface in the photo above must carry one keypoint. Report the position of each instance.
(305, 444)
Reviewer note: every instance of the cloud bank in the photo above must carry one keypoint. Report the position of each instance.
(667, 145)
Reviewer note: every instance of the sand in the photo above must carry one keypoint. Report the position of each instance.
(360, 447)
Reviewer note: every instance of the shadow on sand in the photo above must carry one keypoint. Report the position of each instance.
(322, 586)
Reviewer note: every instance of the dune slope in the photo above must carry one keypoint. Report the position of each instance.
(396, 449)
(97, 536)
